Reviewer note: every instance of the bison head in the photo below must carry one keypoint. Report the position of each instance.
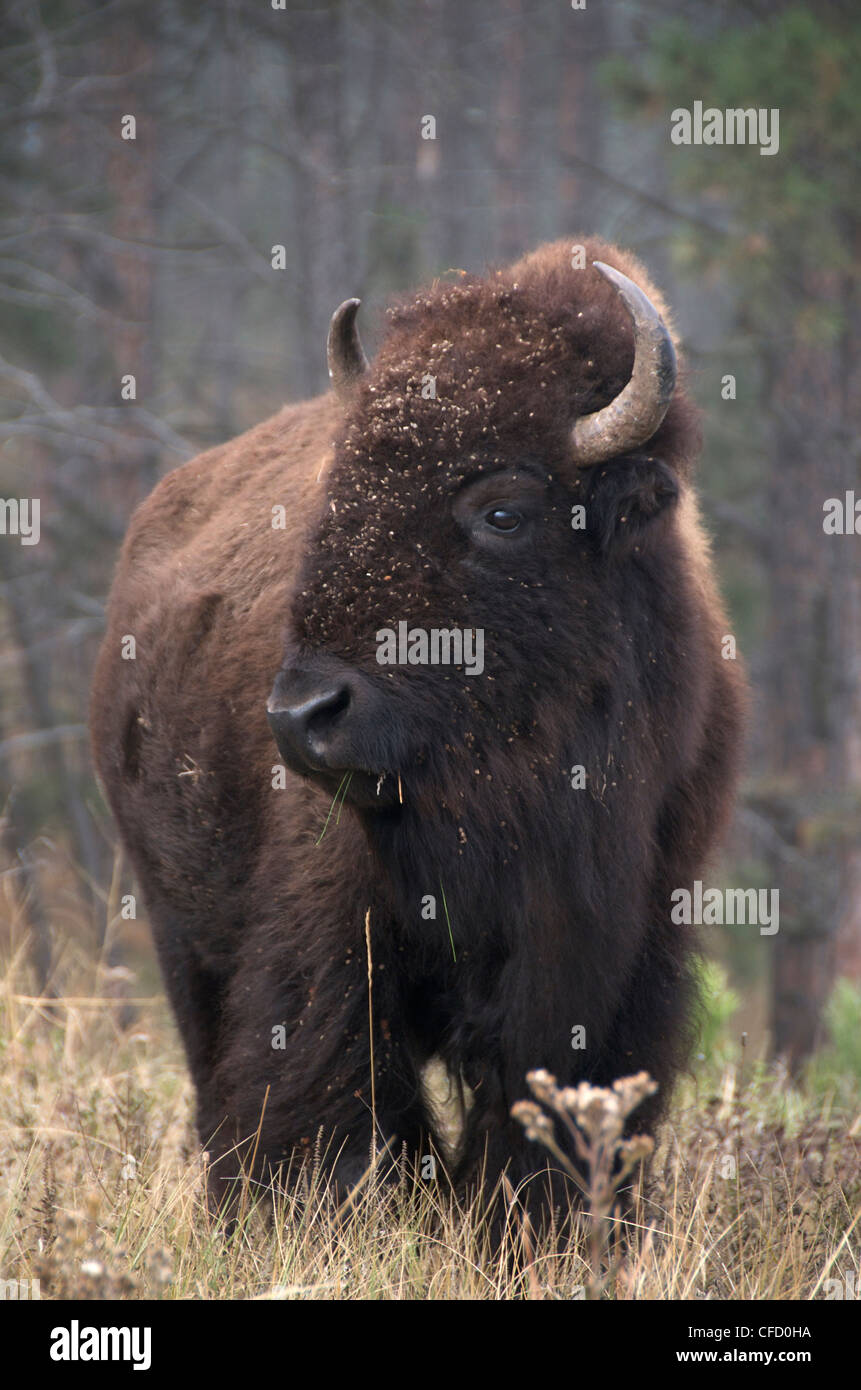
(510, 465)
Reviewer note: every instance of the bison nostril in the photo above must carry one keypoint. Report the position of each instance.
(322, 712)
(304, 730)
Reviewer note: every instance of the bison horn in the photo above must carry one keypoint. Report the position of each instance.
(344, 352)
(638, 410)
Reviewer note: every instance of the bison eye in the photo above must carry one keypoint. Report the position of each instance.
(501, 519)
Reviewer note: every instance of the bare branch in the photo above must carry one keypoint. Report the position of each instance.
(41, 738)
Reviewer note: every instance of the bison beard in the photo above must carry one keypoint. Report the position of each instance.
(602, 650)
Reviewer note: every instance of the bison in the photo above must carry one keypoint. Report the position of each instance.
(496, 846)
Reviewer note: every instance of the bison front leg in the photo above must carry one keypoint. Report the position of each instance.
(308, 1084)
(196, 988)
(511, 1175)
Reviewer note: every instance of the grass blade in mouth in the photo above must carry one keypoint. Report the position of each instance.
(448, 922)
(343, 788)
(344, 797)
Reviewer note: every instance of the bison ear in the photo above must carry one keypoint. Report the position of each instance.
(626, 498)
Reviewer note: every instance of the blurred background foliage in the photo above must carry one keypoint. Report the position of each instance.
(301, 126)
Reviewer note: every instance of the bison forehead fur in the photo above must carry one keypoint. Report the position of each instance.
(601, 650)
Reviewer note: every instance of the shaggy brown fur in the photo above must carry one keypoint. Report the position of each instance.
(602, 649)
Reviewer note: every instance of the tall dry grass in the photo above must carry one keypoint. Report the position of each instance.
(754, 1190)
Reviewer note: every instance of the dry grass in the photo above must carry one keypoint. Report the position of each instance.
(754, 1191)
